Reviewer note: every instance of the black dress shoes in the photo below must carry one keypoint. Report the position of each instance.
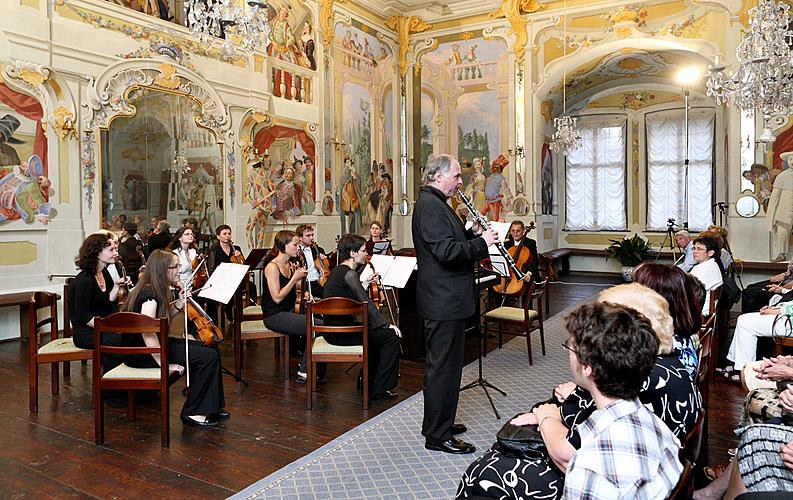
(453, 445)
(222, 415)
(209, 422)
(458, 428)
(384, 396)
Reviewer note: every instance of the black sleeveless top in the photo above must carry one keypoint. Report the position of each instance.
(269, 307)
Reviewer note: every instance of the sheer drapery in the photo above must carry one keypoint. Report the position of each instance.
(595, 177)
(666, 170)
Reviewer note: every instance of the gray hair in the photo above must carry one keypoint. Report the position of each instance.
(683, 233)
(439, 164)
(164, 226)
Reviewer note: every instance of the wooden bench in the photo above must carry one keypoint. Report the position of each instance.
(551, 259)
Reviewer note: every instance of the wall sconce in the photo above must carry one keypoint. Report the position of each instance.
(518, 151)
(335, 142)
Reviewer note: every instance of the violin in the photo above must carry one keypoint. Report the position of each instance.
(523, 259)
(376, 292)
(235, 259)
(199, 277)
(208, 332)
(122, 287)
(301, 285)
(324, 264)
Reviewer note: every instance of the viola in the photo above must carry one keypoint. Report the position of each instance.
(208, 332)
(523, 259)
(199, 277)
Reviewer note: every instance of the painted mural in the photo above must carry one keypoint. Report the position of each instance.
(470, 78)
(365, 73)
(291, 40)
(25, 186)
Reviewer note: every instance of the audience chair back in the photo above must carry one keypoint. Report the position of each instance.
(248, 325)
(524, 320)
(125, 378)
(318, 350)
(692, 443)
(685, 485)
(55, 351)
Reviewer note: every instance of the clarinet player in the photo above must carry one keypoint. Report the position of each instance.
(446, 296)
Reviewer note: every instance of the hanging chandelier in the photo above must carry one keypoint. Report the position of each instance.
(565, 137)
(763, 82)
(213, 18)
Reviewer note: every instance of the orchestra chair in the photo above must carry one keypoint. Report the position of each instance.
(684, 490)
(249, 325)
(525, 319)
(130, 379)
(318, 350)
(55, 351)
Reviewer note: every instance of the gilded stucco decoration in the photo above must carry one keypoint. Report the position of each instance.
(403, 27)
(29, 72)
(112, 95)
(326, 19)
(170, 51)
(427, 45)
(64, 123)
(512, 11)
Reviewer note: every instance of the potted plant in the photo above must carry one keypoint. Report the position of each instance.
(630, 252)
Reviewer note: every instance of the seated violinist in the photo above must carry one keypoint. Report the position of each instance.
(376, 236)
(518, 236)
(183, 245)
(383, 337)
(313, 257)
(152, 296)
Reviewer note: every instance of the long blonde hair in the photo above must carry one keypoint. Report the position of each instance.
(649, 303)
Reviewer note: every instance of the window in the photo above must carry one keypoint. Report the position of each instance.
(595, 177)
(667, 196)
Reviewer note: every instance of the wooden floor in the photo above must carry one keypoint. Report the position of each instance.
(52, 453)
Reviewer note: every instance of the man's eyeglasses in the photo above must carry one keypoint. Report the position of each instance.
(566, 345)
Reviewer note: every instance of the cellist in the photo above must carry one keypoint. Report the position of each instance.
(519, 235)
(152, 296)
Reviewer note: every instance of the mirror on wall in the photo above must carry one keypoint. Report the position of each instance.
(747, 206)
(160, 162)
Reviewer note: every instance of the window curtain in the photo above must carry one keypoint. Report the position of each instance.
(595, 177)
(666, 197)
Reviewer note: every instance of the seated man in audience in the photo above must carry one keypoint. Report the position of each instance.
(683, 240)
(708, 269)
(626, 451)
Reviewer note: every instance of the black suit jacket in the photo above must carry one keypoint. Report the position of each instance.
(446, 253)
(534, 265)
(158, 242)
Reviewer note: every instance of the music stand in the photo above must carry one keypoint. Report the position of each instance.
(480, 380)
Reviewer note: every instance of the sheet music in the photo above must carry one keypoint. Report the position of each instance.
(224, 282)
(502, 228)
(499, 264)
(394, 271)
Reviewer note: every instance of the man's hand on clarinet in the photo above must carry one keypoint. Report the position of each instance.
(490, 236)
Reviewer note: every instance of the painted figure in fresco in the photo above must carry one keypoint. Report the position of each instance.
(308, 185)
(8, 155)
(385, 208)
(24, 192)
(779, 216)
(283, 46)
(288, 194)
(762, 181)
(455, 58)
(258, 190)
(372, 194)
(496, 190)
(546, 179)
(307, 40)
(350, 198)
(475, 191)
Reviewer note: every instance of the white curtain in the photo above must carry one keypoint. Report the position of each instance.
(666, 196)
(595, 177)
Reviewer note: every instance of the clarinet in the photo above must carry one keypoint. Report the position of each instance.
(499, 246)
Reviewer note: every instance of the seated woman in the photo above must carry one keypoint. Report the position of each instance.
(152, 297)
(668, 392)
(759, 294)
(671, 283)
(383, 337)
(279, 294)
(708, 268)
(376, 236)
(768, 322)
(183, 245)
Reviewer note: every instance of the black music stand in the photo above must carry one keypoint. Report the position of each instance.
(480, 380)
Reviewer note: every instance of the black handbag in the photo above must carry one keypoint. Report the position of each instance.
(521, 442)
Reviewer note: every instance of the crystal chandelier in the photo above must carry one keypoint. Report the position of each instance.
(565, 137)
(208, 18)
(763, 82)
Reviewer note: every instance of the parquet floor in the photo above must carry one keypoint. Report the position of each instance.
(52, 453)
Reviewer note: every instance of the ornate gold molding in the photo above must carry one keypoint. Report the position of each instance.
(511, 10)
(65, 125)
(403, 27)
(326, 20)
(167, 79)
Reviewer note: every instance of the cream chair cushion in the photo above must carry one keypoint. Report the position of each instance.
(510, 314)
(248, 327)
(124, 372)
(252, 310)
(321, 346)
(60, 346)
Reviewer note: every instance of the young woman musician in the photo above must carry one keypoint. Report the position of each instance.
(183, 245)
(279, 294)
(383, 337)
(152, 297)
(224, 249)
(375, 236)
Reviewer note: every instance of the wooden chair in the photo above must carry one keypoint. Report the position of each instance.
(705, 358)
(684, 489)
(525, 318)
(249, 325)
(318, 350)
(55, 351)
(691, 445)
(126, 378)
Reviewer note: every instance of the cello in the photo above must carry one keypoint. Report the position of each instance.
(523, 259)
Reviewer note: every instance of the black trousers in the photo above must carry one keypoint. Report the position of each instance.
(205, 395)
(383, 356)
(755, 296)
(85, 340)
(443, 369)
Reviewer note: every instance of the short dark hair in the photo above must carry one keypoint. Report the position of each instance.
(349, 243)
(88, 256)
(671, 283)
(221, 228)
(617, 342)
(710, 243)
(302, 228)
